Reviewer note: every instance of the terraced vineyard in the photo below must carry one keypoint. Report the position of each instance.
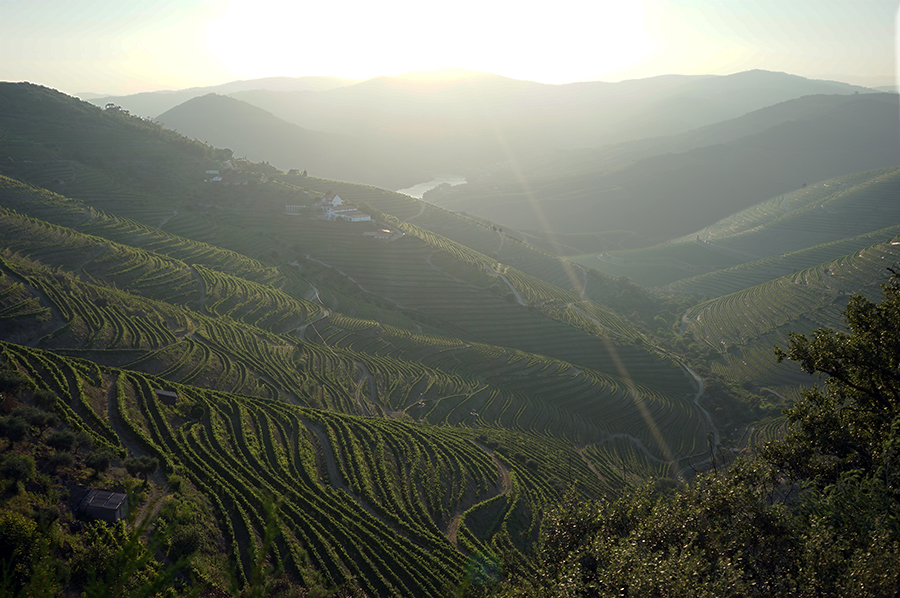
(343, 363)
(768, 239)
(816, 294)
(413, 405)
(745, 325)
(395, 505)
(343, 512)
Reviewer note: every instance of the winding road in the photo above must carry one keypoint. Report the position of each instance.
(519, 299)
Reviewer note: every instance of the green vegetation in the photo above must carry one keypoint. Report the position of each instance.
(814, 514)
(361, 416)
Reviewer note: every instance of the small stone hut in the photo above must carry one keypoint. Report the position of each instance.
(104, 505)
(166, 397)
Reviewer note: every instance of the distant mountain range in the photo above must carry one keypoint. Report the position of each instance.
(575, 158)
(258, 135)
(658, 189)
(153, 103)
(505, 111)
(464, 122)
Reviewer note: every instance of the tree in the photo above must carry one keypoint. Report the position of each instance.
(36, 418)
(816, 514)
(99, 460)
(141, 466)
(18, 537)
(850, 422)
(62, 440)
(46, 399)
(12, 381)
(14, 429)
(58, 460)
(20, 468)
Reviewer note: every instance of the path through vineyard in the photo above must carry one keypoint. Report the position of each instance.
(504, 487)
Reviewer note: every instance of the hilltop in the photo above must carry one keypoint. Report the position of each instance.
(223, 121)
(153, 103)
(467, 123)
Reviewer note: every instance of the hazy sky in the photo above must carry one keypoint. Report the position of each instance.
(127, 46)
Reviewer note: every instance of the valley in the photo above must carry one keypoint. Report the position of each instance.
(410, 403)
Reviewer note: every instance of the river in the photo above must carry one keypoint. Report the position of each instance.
(419, 190)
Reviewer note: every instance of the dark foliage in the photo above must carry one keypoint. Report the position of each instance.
(141, 466)
(817, 514)
(63, 440)
(19, 468)
(13, 428)
(99, 460)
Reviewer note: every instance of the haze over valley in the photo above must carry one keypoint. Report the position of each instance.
(372, 313)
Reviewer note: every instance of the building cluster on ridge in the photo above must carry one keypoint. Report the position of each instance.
(332, 207)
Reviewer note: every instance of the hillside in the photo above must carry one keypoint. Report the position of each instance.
(461, 121)
(412, 403)
(153, 103)
(255, 134)
(293, 342)
(719, 171)
(501, 110)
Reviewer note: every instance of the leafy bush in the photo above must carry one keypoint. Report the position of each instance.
(18, 535)
(62, 440)
(84, 441)
(13, 428)
(185, 540)
(141, 466)
(45, 399)
(99, 460)
(36, 418)
(176, 482)
(58, 460)
(12, 381)
(19, 468)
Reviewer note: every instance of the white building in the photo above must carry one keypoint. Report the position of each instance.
(334, 208)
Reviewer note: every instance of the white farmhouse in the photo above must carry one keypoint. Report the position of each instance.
(334, 208)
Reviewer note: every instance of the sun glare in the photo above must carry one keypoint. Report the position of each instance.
(526, 40)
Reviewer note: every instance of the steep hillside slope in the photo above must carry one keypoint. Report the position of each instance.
(667, 195)
(254, 133)
(414, 395)
(412, 399)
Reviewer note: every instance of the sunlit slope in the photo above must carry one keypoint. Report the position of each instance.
(559, 323)
(122, 175)
(398, 507)
(477, 298)
(770, 239)
(486, 389)
(51, 135)
(472, 294)
(735, 278)
(825, 211)
(744, 325)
